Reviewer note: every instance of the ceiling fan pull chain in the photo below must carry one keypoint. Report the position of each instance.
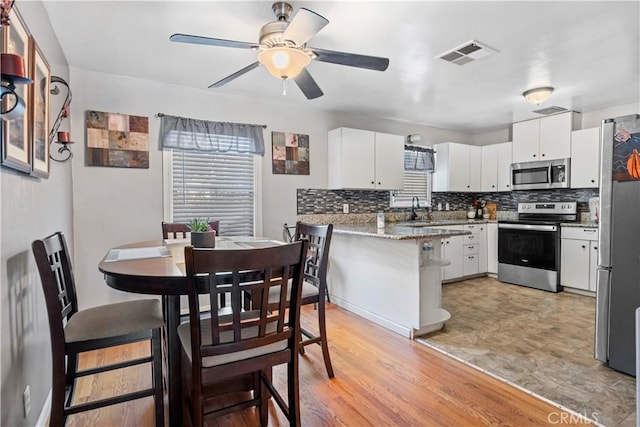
(284, 86)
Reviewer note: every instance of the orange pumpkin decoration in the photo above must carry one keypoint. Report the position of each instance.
(633, 164)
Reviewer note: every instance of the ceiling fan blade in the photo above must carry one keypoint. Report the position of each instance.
(304, 25)
(235, 75)
(186, 38)
(352, 60)
(307, 85)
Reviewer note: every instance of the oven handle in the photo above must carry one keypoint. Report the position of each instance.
(532, 227)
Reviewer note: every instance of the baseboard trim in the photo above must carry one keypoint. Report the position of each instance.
(44, 414)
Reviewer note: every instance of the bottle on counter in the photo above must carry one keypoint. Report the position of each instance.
(425, 253)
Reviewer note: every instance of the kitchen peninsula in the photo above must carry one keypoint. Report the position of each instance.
(390, 275)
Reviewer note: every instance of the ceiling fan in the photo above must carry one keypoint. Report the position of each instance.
(283, 51)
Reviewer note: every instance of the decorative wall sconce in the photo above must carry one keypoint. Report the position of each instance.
(12, 72)
(64, 138)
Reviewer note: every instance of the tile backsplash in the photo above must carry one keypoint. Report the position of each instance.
(318, 201)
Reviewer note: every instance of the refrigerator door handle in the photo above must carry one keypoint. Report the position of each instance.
(606, 174)
(603, 282)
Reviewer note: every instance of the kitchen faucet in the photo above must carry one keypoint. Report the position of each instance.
(415, 203)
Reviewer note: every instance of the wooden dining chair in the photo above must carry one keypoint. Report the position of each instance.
(230, 346)
(314, 288)
(74, 331)
(176, 230)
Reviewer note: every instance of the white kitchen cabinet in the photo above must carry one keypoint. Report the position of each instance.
(363, 159)
(467, 254)
(579, 257)
(458, 167)
(496, 167)
(546, 138)
(489, 180)
(585, 158)
(504, 166)
(492, 248)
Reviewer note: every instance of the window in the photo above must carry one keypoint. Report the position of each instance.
(214, 185)
(417, 182)
(211, 171)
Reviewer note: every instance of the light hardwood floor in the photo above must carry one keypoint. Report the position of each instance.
(382, 379)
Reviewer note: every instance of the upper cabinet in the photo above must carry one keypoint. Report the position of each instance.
(362, 159)
(496, 166)
(504, 166)
(546, 138)
(458, 167)
(585, 158)
(489, 180)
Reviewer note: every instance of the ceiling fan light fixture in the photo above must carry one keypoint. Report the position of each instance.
(284, 62)
(538, 95)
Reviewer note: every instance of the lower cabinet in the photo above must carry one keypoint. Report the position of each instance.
(467, 254)
(579, 258)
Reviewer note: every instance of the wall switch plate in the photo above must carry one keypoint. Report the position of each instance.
(26, 401)
(446, 206)
(345, 208)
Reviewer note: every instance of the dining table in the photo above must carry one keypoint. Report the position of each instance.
(157, 268)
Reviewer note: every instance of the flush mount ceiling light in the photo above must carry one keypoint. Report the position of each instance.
(538, 95)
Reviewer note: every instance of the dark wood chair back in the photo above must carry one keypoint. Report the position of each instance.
(236, 272)
(176, 230)
(56, 274)
(319, 238)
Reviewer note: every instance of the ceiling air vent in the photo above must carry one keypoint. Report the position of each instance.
(467, 52)
(550, 110)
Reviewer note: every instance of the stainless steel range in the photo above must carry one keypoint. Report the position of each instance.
(529, 247)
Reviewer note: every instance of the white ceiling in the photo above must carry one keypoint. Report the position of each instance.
(589, 51)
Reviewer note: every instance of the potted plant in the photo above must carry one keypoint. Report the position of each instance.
(202, 235)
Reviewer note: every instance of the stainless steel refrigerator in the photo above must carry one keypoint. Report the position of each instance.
(618, 275)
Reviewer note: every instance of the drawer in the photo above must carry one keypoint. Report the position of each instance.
(470, 265)
(474, 228)
(469, 239)
(470, 249)
(579, 233)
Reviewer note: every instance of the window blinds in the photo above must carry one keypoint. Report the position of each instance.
(215, 186)
(417, 182)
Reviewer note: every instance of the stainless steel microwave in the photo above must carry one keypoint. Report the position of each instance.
(541, 175)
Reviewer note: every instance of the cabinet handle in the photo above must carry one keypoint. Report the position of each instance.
(593, 180)
(493, 186)
(468, 186)
(379, 183)
(595, 248)
(508, 186)
(534, 155)
(372, 182)
(542, 154)
(583, 247)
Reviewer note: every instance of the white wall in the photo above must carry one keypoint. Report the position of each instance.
(30, 209)
(593, 119)
(114, 206)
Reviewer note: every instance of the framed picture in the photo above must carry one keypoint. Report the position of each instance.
(117, 140)
(290, 153)
(39, 111)
(14, 134)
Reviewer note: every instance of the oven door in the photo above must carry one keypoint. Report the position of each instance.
(529, 245)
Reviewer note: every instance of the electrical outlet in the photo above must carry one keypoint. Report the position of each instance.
(26, 401)
(345, 208)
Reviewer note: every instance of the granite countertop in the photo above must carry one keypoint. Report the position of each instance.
(582, 224)
(396, 231)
